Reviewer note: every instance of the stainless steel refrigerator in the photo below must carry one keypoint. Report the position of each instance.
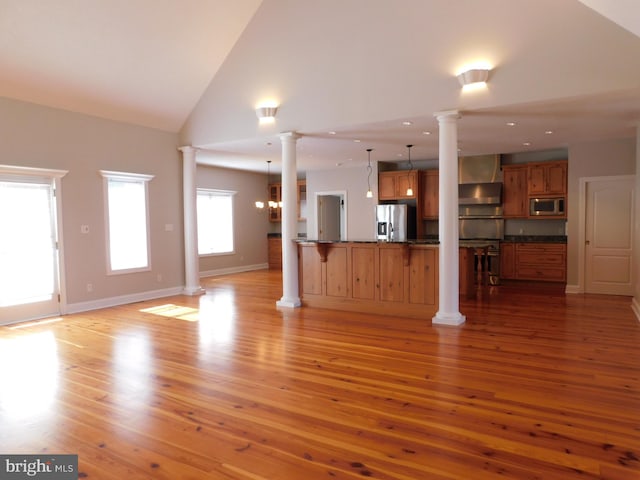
(395, 223)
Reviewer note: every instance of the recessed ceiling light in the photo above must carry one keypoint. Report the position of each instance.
(511, 124)
(426, 133)
(526, 144)
(407, 123)
(357, 141)
(332, 133)
(548, 132)
(399, 155)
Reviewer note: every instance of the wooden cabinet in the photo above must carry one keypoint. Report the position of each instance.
(393, 185)
(430, 194)
(363, 276)
(514, 193)
(423, 276)
(275, 195)
(541, 261)
(546, 262)
(548, 178)
(391, 273)
(302, 200)
(274, 248)
(507, 260)
(390, 279)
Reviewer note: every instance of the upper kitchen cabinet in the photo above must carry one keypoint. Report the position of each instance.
(514, 191)
(302, 200)
(548, 178)
(430, 194)
(275, 195)
(394, 185)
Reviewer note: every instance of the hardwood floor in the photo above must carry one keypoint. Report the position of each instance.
(535, 385)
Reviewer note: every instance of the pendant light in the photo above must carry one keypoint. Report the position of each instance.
(259, 203)
(409, 189)
(369, 170)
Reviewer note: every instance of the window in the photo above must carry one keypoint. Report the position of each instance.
(127, 216)
(215, 221)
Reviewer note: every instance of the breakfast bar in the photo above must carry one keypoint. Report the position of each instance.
(390, 278)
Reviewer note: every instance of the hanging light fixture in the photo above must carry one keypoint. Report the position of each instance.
(259, 203)
(409, 189)
(369, 170)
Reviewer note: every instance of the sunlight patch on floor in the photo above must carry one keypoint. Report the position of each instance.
(170, 310)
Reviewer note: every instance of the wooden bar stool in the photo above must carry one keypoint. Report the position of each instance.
(482, 265)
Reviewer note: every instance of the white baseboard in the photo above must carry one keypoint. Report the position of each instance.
(153, 294)
(121, 300)
(240, 269)
(573, 289)
(635, 306)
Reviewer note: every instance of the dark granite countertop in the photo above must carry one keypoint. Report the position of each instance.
(408, 242)
(434, 241)
(536, 238)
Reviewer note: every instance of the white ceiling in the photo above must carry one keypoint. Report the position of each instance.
(145, 62)
(150, 63)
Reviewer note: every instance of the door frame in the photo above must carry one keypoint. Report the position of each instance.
(343, 218)
(582, 223)
(55, 176)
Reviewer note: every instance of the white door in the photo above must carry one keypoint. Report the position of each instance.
(329, 217)
(609, 236)
(28, 250)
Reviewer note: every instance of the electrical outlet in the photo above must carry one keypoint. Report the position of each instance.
(89, 287)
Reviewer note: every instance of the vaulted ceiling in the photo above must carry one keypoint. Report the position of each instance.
(360, 68)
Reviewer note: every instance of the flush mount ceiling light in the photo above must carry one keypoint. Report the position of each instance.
(266, 114)
(474, 76)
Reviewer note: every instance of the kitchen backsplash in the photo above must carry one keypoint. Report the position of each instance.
(514, 226)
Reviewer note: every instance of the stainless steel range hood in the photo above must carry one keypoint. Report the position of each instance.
(479, 180)
(479, 193)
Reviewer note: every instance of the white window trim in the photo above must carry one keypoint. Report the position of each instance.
(229, 193)
(125, 176)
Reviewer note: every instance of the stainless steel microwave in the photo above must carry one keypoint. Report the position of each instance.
(546, 207)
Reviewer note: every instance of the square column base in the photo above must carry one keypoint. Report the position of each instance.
(443, 318)
(289, 302)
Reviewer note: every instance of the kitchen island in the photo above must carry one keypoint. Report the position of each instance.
(389, 278)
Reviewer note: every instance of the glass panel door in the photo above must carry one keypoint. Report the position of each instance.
(28, 253)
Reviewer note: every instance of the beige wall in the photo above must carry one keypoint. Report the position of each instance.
(360, 210)
(593, 159)
(251, 225)
(637, 230)
(42, 137)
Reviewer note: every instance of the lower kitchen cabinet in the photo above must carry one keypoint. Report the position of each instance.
(275, 253)
(546, 262)
(508, 260)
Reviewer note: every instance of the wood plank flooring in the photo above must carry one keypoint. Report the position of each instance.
(535, 385)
